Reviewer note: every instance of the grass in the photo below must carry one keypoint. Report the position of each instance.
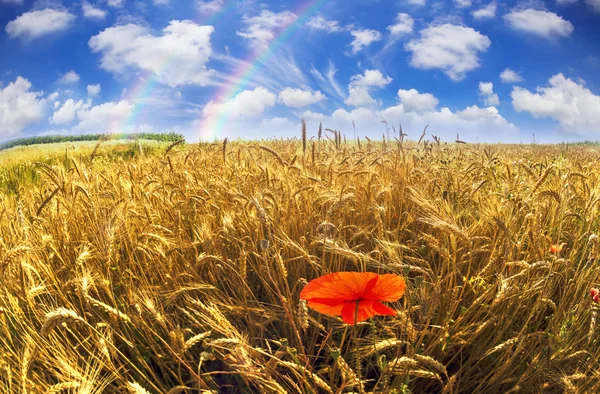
(18, 164)
(177, 269)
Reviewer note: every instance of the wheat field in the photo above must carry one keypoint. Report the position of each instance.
(178, 269)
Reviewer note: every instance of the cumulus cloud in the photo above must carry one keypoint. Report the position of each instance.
(134, 47)
(311, 116)
(485, 124)
(39, 23)
(66, 113)
(115, 3)
(453, 49)
(261, 29)
(360, 86)
(249, 103)
(510, 76)
(210, 6)
(277, 124)
(91, 12)
(472, 122)
(463, 3)
(363, 38)
(93, 90)
(70, 77)
(20, 107)
(298, 98)
(571, 104)
(413, 101)
(370, 78)
(404, 25)
(416, 3)
(104, 118)
(486, 88)
(486, 91)
(487, 12)
(540, 23)
(321, 23)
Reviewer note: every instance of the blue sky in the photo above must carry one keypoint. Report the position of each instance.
(487, 70)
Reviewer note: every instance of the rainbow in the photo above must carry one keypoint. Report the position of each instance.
(211, 126)
(146, 83)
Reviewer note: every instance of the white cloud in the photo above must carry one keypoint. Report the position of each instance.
(115, 3)
(66, 113)
(93, 90)
(472, 122)
(451, 48)
(359, 96)
(209, 6)
(370, 78)
(320, 23)
(38, 23)
(311, 116)
(486, 91)
(595, 4)
(486, 88)
(487, 12)
(70, 77)
(19, 107)
(91, 12)
(544, 24)
(330, 76)
(476, 114)
(185, 44)
(360, 85)
(250, 103)
(104, 118)
(573, 105)
(261, 29)
(298, 98)
(416, 3)
(510, 76)
(278, 124)
(413, 101)
(463, 3)
(327, 82)
(363, 38)
(404, 25)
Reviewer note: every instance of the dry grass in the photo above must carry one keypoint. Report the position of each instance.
(178, 270)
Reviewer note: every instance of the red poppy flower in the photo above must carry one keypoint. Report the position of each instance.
(557, 248)
(595, 294)
(345, 293)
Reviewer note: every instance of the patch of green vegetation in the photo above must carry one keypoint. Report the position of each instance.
(19, 166)
(53, 139)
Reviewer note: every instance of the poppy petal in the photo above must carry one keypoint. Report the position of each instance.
(389, 287)
(342, 286)
(383, 309)
(348, 312)
(366, 310)
(328, 309)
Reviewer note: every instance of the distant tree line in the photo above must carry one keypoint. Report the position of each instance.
(53, 139)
